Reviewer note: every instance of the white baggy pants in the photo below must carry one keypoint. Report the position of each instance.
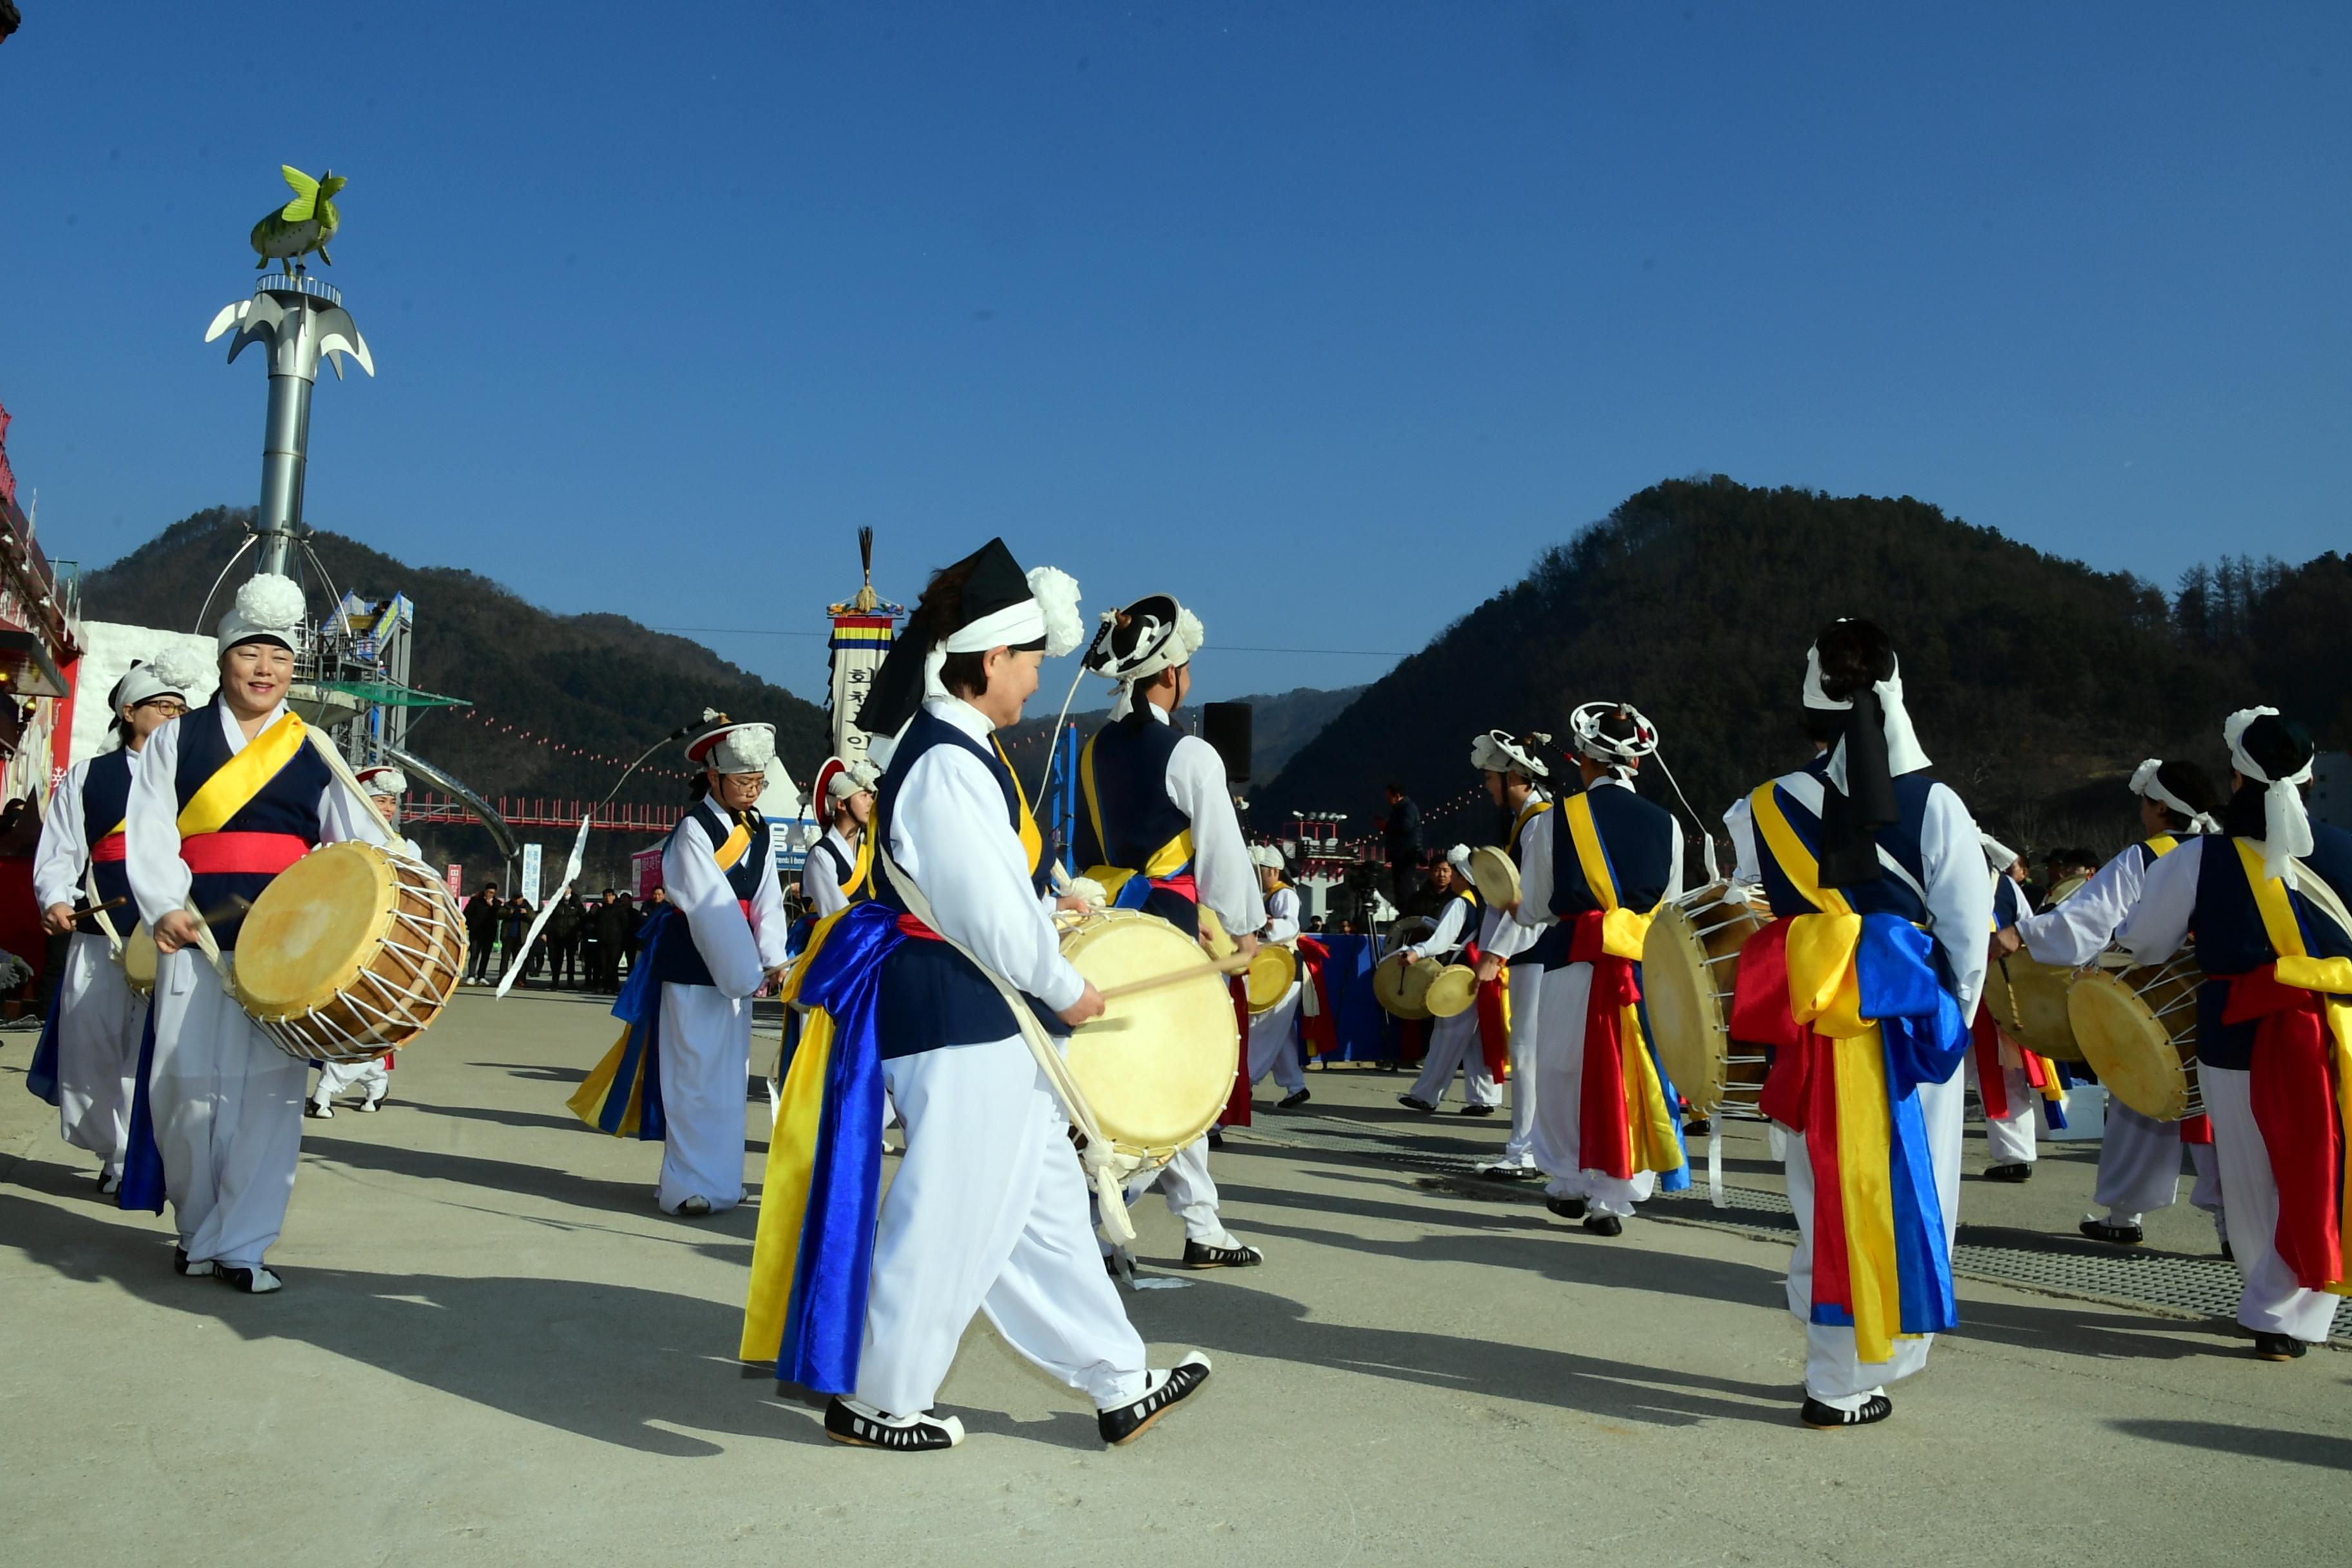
(705, 1067)
(2272, 1302)
(1833, 1373)
(1192, 1195)
(2008, 1140)
(1526, 981)
(988, 1213)
(227, 1109)
(2139, 1168)
(372, 1078)
(1274, 1044)
(1453, 1043)
(1560, 1102)
(99, 1022)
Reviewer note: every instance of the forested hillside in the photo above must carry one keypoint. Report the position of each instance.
(2036, 681)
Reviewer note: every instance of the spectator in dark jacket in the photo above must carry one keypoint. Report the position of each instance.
(564, 940)
(516, 922)
(616, 928)
(482, 912)
(1401, 846)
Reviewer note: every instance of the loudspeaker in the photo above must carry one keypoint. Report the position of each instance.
(1226, 726)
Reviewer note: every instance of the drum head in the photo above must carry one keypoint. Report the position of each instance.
(2063, 891)
(1272, 970)
(1451, 992)
(2028, 999)
(139, 960)
(1686, 1022)
(1495, 877)
(1157, 1067)
(2126, 1045)
(1400, 987)
(313, 927)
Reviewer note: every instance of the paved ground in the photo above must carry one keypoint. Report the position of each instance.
(493, 1349)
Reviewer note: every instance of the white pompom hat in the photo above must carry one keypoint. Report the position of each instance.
(268, 609)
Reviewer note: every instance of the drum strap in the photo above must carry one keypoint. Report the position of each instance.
(1107, 1169)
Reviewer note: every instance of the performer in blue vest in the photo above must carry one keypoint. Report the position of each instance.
(1157, 829)
(1274, 1034)
(839, 870)
(677, 1071)
(87, 1062)
(1862, 985)
(223, 799)
(1454, 1042)
(2009, 1096)
(2139, 1157)
(1515, 774)
(1599, 864)
(917, 990)
(2265, 901)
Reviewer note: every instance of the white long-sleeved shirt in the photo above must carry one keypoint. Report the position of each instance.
(738, 955)
(1449, 936)
(64, 852)
(1536, 857)
(949, 834)
(2158, 925)
(817, 885)
(1281, 916)
(1959, 893)
(1500, 932)
(160, 880)
(2072, 933)
(1223, 871)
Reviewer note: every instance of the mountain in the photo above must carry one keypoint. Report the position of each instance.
(2035, 681)
(1279, 725)
(599, 682)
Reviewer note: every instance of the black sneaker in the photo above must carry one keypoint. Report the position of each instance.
(1201, 1255)
(254, 1281)
(1566, 1208)
(1293, 1100)
(179, 1265)
(1699, 1127)
(1410, 1104)
(1216, 1138)
(1478, 1111)
(2277, 1347)
(1126, 1424)
(2108, 1230)
(2017, 1172)
(1604, 1224)
(1830, 1418)
(863, 1426)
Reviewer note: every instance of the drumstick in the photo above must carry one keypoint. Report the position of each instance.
(1233, 966)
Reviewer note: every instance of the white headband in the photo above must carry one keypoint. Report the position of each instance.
(1903, 753)
(2146, 784)
(2286, 822)
(1997, 855)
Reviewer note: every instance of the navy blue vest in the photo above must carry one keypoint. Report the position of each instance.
(1888, 895)
(1129, 760)
(678, 961)
(932, 996)
(2008, 901)
(1637, 837)
(289, 803)
(1549, 949)
(2229, 936)
(832, 865)
(105, 795)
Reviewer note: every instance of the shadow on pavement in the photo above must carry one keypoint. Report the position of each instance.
(618, 1363)
(537, 1073)
(2250, 1442)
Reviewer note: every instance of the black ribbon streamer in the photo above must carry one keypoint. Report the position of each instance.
(1852, 817)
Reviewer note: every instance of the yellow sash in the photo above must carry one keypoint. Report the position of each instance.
(739, 839)
(1164, 861)
(232, 788)
(1652, 1144)
(1528, 813)
(1031, 841)
(2163, 844)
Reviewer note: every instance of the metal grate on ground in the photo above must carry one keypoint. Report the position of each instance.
(2159, 1281)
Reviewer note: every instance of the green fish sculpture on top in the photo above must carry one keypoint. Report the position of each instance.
(304, 224)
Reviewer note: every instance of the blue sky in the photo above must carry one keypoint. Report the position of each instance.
(1325, 318)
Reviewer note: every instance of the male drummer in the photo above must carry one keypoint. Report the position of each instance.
(1599, 864)
(988, 1210)
(1274, 1034)
(1515, 776)
(2139, 1157)
(683, 1058)
(1452, 1042)
(1997, 1068)
(385, 785)
(223, 799)
(88, 1059)
(2266, 898)
(1160, 833)
(837, 872)
(1864, 831)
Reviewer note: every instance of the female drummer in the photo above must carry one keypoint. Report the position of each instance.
(223, 799)
(1515, 774)
(836, 873)
(90, 1046)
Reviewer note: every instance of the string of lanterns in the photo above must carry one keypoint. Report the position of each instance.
(562, 748)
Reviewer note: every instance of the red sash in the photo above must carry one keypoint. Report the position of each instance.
(1493, 1019)
(111, 848)
(1604, 1139)
(259, 854)
(1237, 1105)
(2292, 1089)
(1984, 1044)
(1321, 1032)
